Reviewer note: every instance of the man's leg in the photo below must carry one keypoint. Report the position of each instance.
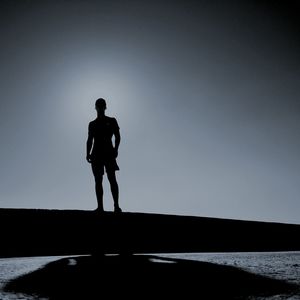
(111, 175)
(98, 186)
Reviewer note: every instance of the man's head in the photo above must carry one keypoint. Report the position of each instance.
(100, 104)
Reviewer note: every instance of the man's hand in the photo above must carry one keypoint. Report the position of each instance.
(89, 158)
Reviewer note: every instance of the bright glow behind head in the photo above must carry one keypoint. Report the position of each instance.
(82, 88)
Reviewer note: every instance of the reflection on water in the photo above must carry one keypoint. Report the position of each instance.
(278, 265)
(282, 266)
(11, 268)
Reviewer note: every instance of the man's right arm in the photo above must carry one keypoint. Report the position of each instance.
(89, 145)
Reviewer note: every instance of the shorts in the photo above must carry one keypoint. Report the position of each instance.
(108, 164)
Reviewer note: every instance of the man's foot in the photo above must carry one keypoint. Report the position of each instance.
(117, 209)
(99, 210)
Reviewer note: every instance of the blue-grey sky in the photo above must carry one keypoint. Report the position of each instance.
(206, 94)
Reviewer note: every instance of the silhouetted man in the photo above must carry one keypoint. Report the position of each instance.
(101, 153)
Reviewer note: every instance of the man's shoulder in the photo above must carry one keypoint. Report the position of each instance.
(110, 119)
(92, 122)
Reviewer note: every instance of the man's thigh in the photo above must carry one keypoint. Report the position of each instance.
(98, 170)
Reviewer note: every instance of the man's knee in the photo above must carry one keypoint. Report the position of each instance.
(112, 177)
(98, 179)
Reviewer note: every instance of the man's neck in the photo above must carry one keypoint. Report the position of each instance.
(100, 115)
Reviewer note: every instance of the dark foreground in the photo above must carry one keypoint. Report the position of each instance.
(140, 276)
(28, 232)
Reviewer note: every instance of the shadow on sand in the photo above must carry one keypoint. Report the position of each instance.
(93, 277)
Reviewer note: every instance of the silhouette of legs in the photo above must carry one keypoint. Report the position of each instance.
(99, 192)
(111, 175)
(98, 171)
(98, 187)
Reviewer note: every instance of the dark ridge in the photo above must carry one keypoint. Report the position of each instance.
(143, 276)
(30, 232)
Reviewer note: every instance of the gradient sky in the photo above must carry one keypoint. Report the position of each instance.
(206, 94)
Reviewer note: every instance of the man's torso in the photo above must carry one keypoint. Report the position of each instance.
(102, 129)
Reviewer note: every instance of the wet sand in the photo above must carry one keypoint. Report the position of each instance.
(140, 276)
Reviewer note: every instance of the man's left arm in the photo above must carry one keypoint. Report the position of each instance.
(89, 144)
(117, 137)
